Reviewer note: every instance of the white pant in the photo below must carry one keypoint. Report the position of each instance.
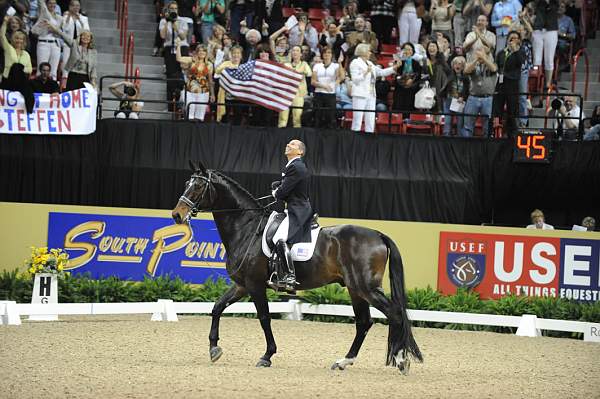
(196, 111)
(409, 27)
(544, 45)
(48, 52)
(66, 52)
(367, 103)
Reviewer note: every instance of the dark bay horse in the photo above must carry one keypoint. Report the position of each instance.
(351, 255)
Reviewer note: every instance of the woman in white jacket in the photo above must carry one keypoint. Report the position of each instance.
(364, 74)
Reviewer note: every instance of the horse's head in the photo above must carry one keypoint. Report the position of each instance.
(199, 193)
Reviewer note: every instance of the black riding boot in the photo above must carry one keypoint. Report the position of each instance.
(289, 277)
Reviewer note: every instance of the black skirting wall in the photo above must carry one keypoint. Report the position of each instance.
(144, 164)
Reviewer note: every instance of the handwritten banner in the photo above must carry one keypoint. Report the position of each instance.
(134, 247)
(68, 113)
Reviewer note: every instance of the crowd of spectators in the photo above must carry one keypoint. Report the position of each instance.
(45, 49)
(475, 54)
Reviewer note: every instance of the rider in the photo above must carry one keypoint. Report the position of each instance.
(293, 189)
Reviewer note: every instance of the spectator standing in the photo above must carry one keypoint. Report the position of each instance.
(226, 98)
(269, 12)
(407, 80)
(509, 62)
(437, 72)
(361, 35)
(457, 91)
(207, 9)
(382, 89)
(48, 47)
(171, 27)
(409, 24)
(442, 14)
(215, 42)
(459, 24)
(472, 9)
(249, 41)
(17, 65)
(304, 33)
(350, 12)
(479, 38)
(44, 83)
(83, 60)
(525, 30)
(73, 23)
(279, 45)
(302, 67)
(364, 74)
(482, 77)
(594, 132)
(545, 35)
(566, 35)
(504, 14)
(383, 19)
(332, 37)
(538, 221)
(199, 84)
(240, 11)
(327, 75)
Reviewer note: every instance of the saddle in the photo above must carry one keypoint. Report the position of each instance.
(276, 229)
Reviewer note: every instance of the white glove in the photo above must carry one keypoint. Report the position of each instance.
(273, 193)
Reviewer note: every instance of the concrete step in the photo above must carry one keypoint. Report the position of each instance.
(140, 41)
(131, 25)
(142, 59)
(139, 14)
(140, 34)
(103, 5)
(116, 49)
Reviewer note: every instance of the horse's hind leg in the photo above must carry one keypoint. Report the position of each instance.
(363, 320)
(231, 296)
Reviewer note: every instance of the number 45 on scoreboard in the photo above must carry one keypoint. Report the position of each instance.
(532, 146)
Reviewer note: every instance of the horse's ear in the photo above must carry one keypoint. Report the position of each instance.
(192, 166)
(201, 167)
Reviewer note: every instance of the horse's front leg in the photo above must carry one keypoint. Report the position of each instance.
(231, 296)
(259, 297)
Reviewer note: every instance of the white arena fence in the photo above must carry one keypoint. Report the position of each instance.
(167, 310)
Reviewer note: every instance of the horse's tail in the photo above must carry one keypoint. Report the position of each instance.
(400, 334)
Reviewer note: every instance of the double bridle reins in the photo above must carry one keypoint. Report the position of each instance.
(209, 187)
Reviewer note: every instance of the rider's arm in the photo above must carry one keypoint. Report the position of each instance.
(289, 181)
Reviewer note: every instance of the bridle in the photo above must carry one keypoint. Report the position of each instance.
(211, 190)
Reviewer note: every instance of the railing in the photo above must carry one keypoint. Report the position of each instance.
(122, 9)
(128, 54)
(581, 52)
(137, 74)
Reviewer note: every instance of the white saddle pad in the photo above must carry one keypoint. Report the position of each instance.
(301, 251)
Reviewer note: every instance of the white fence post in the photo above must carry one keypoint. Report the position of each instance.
(167, 311)
(9, 315)
(296, 311)
(528, 326)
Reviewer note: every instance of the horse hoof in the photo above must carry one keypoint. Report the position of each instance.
(263, 363)
(215, 353)
(342, 363)
(404, 366)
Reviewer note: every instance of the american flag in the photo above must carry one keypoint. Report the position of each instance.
(266, 83)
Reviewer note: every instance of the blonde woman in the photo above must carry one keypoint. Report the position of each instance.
(364, 74)
(17, 64)
(226, 98)
(303, 68)
(199, 83)
(83, 59)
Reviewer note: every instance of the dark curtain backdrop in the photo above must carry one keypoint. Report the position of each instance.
(145, 164)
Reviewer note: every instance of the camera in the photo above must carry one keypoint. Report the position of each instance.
(130, 91)
(172, 16)
(557, 103)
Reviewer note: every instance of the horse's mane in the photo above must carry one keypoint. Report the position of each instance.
(236, 185)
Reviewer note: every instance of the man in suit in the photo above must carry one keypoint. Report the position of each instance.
(293, 189)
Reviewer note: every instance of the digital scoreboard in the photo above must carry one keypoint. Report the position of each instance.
(532, 146)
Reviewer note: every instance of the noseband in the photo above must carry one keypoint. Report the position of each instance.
(208, 187)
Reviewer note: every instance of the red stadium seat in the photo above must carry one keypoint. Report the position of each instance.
(318, 13)
(288, 12)
(420, 124)
(389, 49)
(339, 13)
(386, 61)
(318, 25)
(385, 124)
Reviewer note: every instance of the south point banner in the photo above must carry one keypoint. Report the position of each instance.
(134, 247)
(496, 265)
(68, 113)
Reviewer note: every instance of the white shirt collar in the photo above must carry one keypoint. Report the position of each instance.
(292, 160)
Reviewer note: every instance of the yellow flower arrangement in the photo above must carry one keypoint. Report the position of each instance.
(42, 260)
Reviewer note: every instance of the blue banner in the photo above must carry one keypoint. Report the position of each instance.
(133, 247)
